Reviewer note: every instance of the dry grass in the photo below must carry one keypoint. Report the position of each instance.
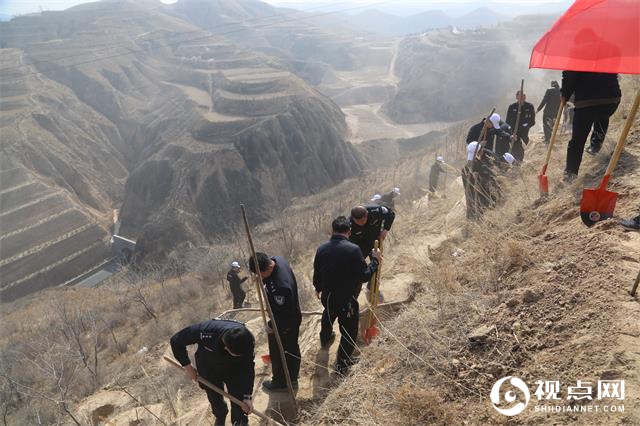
(144, 307)
(422, 370)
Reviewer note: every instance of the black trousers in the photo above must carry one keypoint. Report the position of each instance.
(207, 370)
(517, 150)
(238, 296)
(584, 119)
(291, 348)
(501, 146)
(547, 124)
(348, 316)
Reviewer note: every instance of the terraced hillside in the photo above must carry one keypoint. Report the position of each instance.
(149, 114)
(46, 240)
(350, 67)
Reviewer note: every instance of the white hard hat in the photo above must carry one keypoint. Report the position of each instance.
(396, 190)
(235, 264)
(495, 120)
(440, 159)
(471, 150)
(376, 197)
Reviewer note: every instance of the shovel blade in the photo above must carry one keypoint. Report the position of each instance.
(543, 184)
(370, 333)
(596, 205)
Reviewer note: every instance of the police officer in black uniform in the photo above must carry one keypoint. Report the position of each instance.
(339, 269)
(527, 121)
(282, 293)
(368, 224)
(224, 357)
(235, 284)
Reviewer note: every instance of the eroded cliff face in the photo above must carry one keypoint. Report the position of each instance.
(172, 124)
(197, 188)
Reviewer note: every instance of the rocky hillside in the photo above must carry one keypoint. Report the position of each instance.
(448, 75)
(162, 119)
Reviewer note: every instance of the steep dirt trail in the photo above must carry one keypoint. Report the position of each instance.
(317, 377)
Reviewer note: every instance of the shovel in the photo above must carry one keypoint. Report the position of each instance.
(372, 331)
(543, 182)
(598, 204)
(222, 392)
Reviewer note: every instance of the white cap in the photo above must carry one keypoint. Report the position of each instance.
(376, 197)
(396, 190)
(509, 158)
(495, 120)
(440, 159)
(235, 264)
(471, 150)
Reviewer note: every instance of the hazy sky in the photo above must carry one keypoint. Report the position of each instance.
(13, 7)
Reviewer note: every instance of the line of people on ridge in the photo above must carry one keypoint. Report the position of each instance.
(592, 98)
(226, 348)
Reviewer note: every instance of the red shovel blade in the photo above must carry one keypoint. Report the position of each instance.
(266, 359)
(543, 184)
(370, 333)
(597, 204)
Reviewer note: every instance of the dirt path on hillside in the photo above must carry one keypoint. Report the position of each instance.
(317, 376)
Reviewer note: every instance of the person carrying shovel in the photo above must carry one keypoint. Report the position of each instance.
(281, 289)
(224, 357)
(526, 120)
(368, 224)
(597, 96)
(339, 269)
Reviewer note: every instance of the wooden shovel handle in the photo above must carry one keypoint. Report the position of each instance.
(515, 129)
(553, 136)
(623, 136)
(223, 393)
(374, 279)
(482, 135)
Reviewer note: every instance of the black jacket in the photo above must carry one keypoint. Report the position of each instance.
(234, 279)
(474, 132)
(527, 117)
(282, 292)
(208, 336)
(339, 269)
(591, 88)
(550, 102)
(498, 140)
(379, 218)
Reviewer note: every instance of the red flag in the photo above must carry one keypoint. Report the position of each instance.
(593, 36)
